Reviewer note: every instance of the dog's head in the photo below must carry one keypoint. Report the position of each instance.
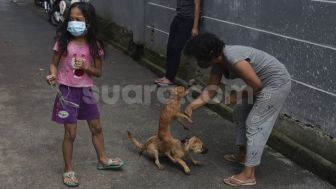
(195, 145)
(179, 92)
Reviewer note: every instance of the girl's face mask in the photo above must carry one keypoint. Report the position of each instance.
(77, 28)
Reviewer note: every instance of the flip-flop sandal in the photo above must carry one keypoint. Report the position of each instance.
(158, 80)
(232, 181)
(160, 84)
(233, 158)
(70, 179)
(114, 163)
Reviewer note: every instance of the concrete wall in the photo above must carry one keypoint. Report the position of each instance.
(118, 11)
(300, 33)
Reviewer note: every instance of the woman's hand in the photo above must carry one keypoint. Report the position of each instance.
(231, 100)
(194, 32)
(188, 110)
(51, 79)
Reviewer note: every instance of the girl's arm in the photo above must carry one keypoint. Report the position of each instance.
(95, 70)
(51, 78)
(197, 16)
(208, 93)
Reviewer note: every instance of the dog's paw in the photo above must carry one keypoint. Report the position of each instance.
(198, 163)
(187, 171)
(161, 167)
(190, 121)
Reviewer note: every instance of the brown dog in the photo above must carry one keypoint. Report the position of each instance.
(164, 143)
(171, 112)
(179, 149)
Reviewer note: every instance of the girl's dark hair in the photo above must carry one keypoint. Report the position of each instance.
(64, 37)
(204, 47)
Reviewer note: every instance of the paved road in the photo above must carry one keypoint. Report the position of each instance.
(30, 144)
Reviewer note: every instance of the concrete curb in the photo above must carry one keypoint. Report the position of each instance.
(308, 147)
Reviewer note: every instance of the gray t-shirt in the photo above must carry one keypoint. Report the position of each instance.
(185, 8)
(270, 71)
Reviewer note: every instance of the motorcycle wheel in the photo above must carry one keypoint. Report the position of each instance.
(52, 18)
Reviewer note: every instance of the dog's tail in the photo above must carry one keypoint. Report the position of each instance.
(135, 141)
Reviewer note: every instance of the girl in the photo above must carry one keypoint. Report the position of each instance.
(79, 54)
(184, 25)
(267, 80)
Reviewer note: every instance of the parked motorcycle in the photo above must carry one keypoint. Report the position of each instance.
(59, 10)
(45, 4)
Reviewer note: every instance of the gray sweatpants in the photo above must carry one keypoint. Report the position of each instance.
(254, 122)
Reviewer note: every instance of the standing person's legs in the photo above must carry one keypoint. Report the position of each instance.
(262, 120)
(63, 113)
(69, 176)
(98, 143)
(69, 138)
(89, 111)
(98, 140)
(171, 38)
(260, 123)
(241, 112)
(181, 32)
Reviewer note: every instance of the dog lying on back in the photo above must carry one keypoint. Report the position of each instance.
(153, 148)
(163, 142)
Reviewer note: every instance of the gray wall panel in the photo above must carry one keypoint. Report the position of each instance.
(119, 11)
(305, 19)
(311, 106)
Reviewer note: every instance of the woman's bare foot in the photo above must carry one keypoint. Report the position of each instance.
(234, 181)
(245, 178)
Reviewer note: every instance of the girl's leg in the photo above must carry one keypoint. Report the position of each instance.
(69, 138)
(98, 140)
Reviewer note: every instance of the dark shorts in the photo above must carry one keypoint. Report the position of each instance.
(64, 112)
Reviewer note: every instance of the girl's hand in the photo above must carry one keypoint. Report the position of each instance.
(51, 79)
(79, 64)
(194, 32)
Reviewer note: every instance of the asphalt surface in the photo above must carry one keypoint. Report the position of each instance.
(30, 144)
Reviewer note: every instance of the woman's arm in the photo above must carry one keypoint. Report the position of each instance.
(197, 17)
(245, 71)
(206, 96)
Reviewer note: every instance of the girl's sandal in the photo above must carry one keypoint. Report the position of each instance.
(70, 179)
(114, 163)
